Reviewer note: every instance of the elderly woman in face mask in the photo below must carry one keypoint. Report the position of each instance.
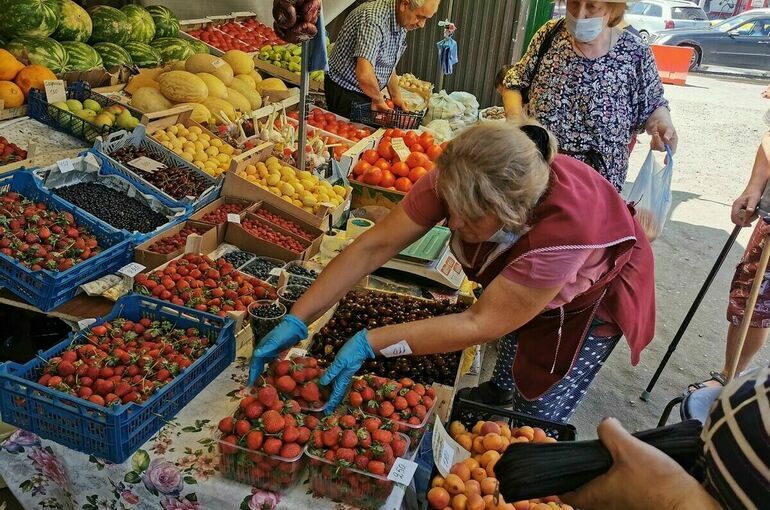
(593, 85)
(565, 268)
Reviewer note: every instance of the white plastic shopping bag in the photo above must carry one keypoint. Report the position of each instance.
(651, 194)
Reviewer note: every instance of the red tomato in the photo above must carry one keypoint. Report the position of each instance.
(403, 184)
(410, 138)
(426, 139)
(400, 168)
(370, 156)
(373, 176)
(385, 150)
(416, 147)
(330, 117)
(433, 152)
(416, 159)
(388, 179)
(382, 164)
(416, 173)
(397, 133)
(388, 133)
(361, 167)
(362, 133)
(429, 165)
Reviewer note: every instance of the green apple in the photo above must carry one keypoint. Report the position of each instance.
(74, 105)
(92, 105)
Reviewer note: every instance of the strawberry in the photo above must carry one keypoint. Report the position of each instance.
(427, 402)
(272, 446)
(254, 410)
(303, 435)
(311, 422)
(330, 455)
(358, 385)
(299, 373)
(355, 399)
(383, 436)
(372, 423)
(290, 434)
(348, 421)
(242, 427)
(420, 411)
(332, 436)
(122, 389)
(290, 420)
(310, 392)
(254, 440)
(430, 392)
(414, 420)
(285, 384)
(400, 403)
(345, 455)
(317, 438)
(292, 407)
(272, 422)
(367, 394)
(282, 367)
(399, 447)
(228, 445)
(246, 402)
(412, 398)
(386, 409)
(406, 382)
(361, 462)
(290, 451)
(65, 368)
(376, 467)
(349, 439)
(267, 395)
(364, 438)
(420, 389)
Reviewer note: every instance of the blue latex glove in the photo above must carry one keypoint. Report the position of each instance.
(286, 334)
(345, 365)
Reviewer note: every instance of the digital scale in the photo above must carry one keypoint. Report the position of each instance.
(431, 259)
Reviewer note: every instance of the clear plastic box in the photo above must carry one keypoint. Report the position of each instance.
(306, 265)
(250, 467)
(263, 275)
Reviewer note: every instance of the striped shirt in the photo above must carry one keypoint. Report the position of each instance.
(371, 32)
(736, 444)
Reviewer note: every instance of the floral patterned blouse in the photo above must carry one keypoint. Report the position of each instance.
(591, 104)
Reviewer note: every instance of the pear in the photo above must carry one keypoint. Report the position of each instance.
(104, 119)
(62, 105)
(92, 105)
(74, 105)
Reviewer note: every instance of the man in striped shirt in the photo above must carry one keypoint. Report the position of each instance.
(363, 61)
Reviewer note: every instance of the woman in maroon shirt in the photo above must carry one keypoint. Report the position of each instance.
(555, 247)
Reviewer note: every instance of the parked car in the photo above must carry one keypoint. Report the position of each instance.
(652, 16)
(741, 41)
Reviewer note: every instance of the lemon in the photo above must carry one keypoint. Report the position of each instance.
(298, 187)
(172, 130)
(216, 142)
(177, 145)
(274, 190)
(296, 202)
(304, 174)
(309, 209)
(322, 197)
(183, 131)
(201, 156)
(309, 200)
(273, 179)
(287, 199)
(226, 149)
(204, 136)
(196, 130)
(223, 158)
(251, 178)
(340, 190)
(188, 156)
(287, 189)
(192, 136)
(188, 147)
(272, 160)
(251, 170)
(168, 145)
(212, 151)
(287, 172)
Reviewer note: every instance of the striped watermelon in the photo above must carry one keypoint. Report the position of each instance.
(198, 46)
(81, 57)
(110, 25)
(113, 55)
(172, 49)
(166, 23)
(142, 24)
(43, 51)
(143, 55)
(21, 18)
(74, 24)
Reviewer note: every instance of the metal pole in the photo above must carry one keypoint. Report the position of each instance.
(691, 312)
(304, 86)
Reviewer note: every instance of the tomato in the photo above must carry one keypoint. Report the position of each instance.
(370, 156)
(385, 150)
(411, 138)
(426, 139)
(416, 173)
(433, 152)
(397, 133)
(382, 164)
(330, 117)
(373, 176)
(388, 179)
(403, 184)
(417, 148)
(429, 165)
(416, 159)
(401, 169)
(389, 133)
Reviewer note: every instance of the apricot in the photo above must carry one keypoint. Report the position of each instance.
(456, 428)
(460, 502)
(466, 441)
(506, 442)
(488, 457)
(471, 463)
(489, 486)
(438, 498)
(539, 435)
(505, 431)
(489, 427)
(521, 505)
(477, 428)
(472, 487)
(489, 501)
(475, 502)
(478, 444)
(461, 470)
(454, 484)
(565, 506)
(541, 506)
(491, 466)
(505, 506)
(493, 441)
(550, 440)
(478, 473)
(438, 481)
(527, 431)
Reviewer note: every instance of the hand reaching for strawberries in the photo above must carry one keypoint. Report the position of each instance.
(286, 334)
(347, 362)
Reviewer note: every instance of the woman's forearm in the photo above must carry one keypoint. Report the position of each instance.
(760, 172)
(447, 333)
(512, 102)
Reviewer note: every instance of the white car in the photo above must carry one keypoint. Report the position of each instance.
(652, 16)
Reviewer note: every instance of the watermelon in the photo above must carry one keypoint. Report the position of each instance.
(172, 49)
(113, 55)
(110, 25)
(143, 55)
(142, 24)
(74, 24)
(81, 57)
(42, 51)
(166, 24)
(22, 18)
(198, 46)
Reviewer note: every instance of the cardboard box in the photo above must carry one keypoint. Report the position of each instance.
(316, 232)
(240, 237)
(216, 204)
(151, 260)
(28, 162)
(367, 195)
(179, 115)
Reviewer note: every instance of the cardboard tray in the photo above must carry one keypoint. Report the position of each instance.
(216, 204)
(239, 236)
(151, 260)
(28, 162)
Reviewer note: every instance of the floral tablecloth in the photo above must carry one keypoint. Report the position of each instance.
(177, 469)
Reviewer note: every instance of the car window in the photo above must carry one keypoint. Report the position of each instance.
(734, 22)
(688, 13)
(756, 28)
(637, 8)
(654, 10)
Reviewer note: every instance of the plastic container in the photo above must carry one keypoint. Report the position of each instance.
(260, 326)
(347, 485)
(114, 433)
(263, 274)
(66, 121)
(250, 255)
(258, 469)
(298, 268)
(362, 112)
(49, 289)
(138, 138)
(287, 301)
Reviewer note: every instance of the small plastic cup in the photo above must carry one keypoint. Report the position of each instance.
(261, 326)
(289, 294)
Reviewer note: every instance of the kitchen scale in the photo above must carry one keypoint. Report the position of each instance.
(431, 259)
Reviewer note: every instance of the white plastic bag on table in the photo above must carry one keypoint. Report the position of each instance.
(651, 194)
(441, 130)
(443, 107)
(470, 103)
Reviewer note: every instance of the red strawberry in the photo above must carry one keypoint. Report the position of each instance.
(427, 402)
(290, 420)
(122, 389)
(349, 439)
(367, 394)
(332, 436)
(364, 438)
(358, 385)
(355, 399)
(290, 451)
(311, 422)
(255, 410)
(383, 436)
(272, 422)
(330, 455)
(242, 427)
(348, 421)
(420, 411)
(254, 440)
(406, 382)
(318, 441)
(267, 395)
(386, 409)
(96, 399)
(399, 447)
(285, 384)
(361, 462)
(282, 367)
(345, 455)
(303, 435)
(292, 407)
(65, 368)
(246, 402)
(420, 389)
(290, 434)
(372, 424)
(299, 373)
(414, 420)
(228, 445)
(226, 425)
(272, 446)
(430, 392)
(310, 392)
(70, 356)
(400, 403)
(412, 398)
(85, 392)
(376, 467)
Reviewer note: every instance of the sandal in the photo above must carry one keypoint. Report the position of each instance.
(715, 376)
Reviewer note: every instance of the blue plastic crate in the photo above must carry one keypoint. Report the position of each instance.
(103, 147)
(114, 433)
(62, 120)
(48, 289)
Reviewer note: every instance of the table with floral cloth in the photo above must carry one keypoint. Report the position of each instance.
(177, 469)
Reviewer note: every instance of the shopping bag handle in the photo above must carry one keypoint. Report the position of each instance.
(669, 159)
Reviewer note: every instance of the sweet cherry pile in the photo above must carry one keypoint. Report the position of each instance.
(170, 244)
(262, 231)
(284, 223)
(219, 216)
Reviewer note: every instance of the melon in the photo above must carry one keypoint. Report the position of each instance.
(142, 55)
(113, 55)
(198, 46)
(239, 102)
(110, 25)
(172, 49)
(210, 64)
(42, 51)
(183, 87)
(149, 100)
(29, 18)
(166, 24)
(74, 24)
(142, 26)
(270, 84)
(240, 61)
(81, 57)
(214, 84)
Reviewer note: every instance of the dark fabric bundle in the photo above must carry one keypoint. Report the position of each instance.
(537, 470)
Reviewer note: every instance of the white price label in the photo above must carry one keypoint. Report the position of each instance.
(217, 63)
(296, 352)
(65, 165)
(131, 269)
(55, 91)
(234, 218)
(399, 146)
(276, 271)
(446, 451)
(402, 471)
(146, 164)
(84, 323)
(399, 349)
(446, 457)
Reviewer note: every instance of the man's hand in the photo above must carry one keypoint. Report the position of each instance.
(766, 92)
(398, 102)
(380, 106)
(744, 208)
(641, 477)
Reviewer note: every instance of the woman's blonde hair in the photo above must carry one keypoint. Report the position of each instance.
(615, 13)
(497, 168)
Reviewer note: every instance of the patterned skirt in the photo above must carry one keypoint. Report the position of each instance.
(740, 288)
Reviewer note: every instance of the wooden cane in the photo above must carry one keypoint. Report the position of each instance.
(750, 304)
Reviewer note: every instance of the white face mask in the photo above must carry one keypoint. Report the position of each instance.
(503, 237)
(585, 29)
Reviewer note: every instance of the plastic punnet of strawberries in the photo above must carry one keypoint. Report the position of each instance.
(40, 238)
(298, 378)
(261, 443)
(10, 152)
(123, 361)
(351, 456)
(196, 281)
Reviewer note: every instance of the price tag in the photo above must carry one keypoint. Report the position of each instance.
(234, 218)
(65, 165)
(402, 471)
(400, 349)
(55, 91)
(402, 151)
(446, 451)
(131, 269)
(146, 164)
(296, 352)
(84, 323)
(217, 63)
(276, 271)
(193, 243)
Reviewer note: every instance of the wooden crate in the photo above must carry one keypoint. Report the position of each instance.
(285, 75)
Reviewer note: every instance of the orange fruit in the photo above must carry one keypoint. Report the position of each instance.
(416, 173)
(472, 487)
(382, 164)
(539, 435)
(438, 498)
(11, 94)
(9, 66)
(478, 473)
(478, 445)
